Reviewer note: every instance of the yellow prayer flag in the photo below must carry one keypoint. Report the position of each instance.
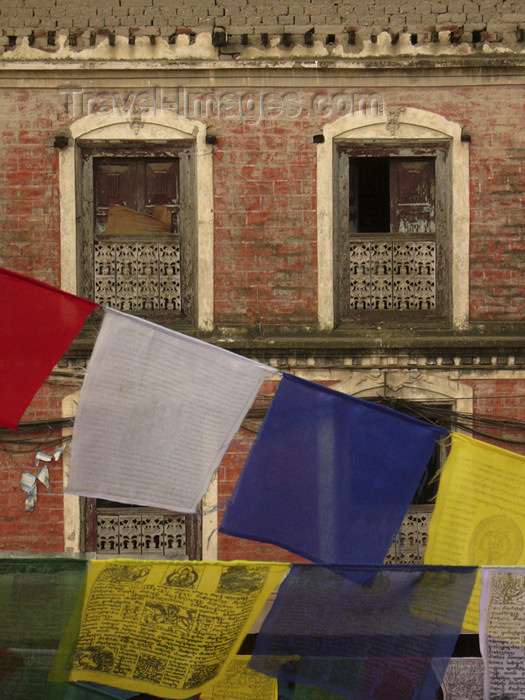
(167, 628)
(479, 517)
(238, 682)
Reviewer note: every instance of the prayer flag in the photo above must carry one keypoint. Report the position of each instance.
(501, 625)
(157, 411)
(239, 682)
(296, 691)
(329, 476)
(463, 679)
(169, 629)
(479, 516)
(366, 633)
(37, 601)
(93, 691)
(38, 322)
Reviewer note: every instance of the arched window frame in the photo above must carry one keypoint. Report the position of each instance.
(170, 129)
(405, 127)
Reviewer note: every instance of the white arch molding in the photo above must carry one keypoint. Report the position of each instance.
(409, 125)
(168, 127)
(409, 384)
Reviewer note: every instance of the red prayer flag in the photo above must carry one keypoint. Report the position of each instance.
(37, 324)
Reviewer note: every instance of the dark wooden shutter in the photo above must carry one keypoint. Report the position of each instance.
(412, 195)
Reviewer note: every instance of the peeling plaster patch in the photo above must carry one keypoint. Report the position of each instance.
(487, 48)
(384, 47)
(317, 50)
(202, 48)
(72, 525)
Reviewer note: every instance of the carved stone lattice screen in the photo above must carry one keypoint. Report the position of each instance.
(138, 532)
(138, 276)
(397, 275)
(411, 539)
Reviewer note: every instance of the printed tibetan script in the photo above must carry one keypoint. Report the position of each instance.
(239, 682)
(167, 628)
(502, 637)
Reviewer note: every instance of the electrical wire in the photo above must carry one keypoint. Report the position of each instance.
(437, 411)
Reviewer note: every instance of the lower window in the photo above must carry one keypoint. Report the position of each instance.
(411, 539)
(138, 532)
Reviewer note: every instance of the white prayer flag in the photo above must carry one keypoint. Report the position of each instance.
(157, 412)
(501, 625)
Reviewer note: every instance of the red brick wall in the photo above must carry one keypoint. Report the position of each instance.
(29, 193)
(265, 207)
(265, 200)
(503, 399)
(265, 224)
(41, 530)
(30, 243)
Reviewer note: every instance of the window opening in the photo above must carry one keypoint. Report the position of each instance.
(136, 242)
(370, 189)
(137, 228)
(411, 539)
(392, 216)
(140, 532)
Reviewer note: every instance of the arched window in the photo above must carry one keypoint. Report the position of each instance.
(136, 206)
(393, 220)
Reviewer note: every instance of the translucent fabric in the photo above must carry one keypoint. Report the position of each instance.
(329, 476)
(239, 682)
(502, 621)
(38, 323)
(156, 413)
(38, 599)
(479, 516)
(367, 633)
(164, 628)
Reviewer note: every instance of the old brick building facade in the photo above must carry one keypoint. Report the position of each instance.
(270, 132)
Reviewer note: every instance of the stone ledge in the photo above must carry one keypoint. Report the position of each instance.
(481, 348)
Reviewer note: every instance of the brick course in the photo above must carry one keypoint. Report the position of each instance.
(502, 398)
(20, 17)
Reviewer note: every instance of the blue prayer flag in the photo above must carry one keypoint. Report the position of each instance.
(366, 633)
(329, 476)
